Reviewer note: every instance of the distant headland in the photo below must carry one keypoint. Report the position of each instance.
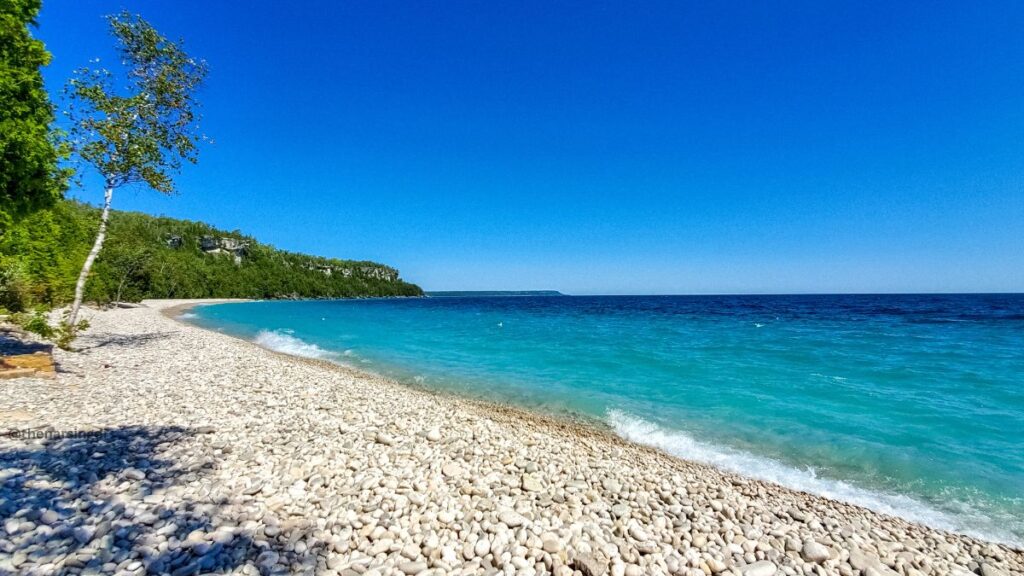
(452, 293)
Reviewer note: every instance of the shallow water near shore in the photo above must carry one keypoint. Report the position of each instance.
(909, 405)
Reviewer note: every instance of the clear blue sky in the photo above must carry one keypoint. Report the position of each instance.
(595, 147)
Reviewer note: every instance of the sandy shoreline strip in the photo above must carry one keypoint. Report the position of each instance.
(165, 448)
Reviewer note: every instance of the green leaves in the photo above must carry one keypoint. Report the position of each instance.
(42, 254)
(29, 173)
(140, 125)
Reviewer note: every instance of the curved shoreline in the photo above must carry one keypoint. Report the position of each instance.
(578, 424)
(380, 477)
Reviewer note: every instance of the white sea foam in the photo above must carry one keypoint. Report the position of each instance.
(186, 316)
(966, 520)
(283, 341)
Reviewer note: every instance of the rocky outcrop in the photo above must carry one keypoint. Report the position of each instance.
(385, 273)
(224, 245)
(379, 273)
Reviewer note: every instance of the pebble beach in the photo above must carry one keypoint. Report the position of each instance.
(163, 448)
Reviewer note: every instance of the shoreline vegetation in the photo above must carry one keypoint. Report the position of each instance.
(160, 257)
(206, 452)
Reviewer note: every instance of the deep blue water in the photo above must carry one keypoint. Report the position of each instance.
(910, 404)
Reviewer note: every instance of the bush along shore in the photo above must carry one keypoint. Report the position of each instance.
(165, 448)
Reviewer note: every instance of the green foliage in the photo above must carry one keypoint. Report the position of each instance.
(41, 254)
(29, 174)
(64, 334)
(45, 251)
(14, 289)
(140, 127)
(34, 322)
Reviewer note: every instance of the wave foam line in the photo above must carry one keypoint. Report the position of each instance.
(279, 341)
(682, 445)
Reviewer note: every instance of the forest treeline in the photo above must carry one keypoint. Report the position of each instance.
(158, 257)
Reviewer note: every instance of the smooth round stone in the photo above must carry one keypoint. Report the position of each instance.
(411, 551)
(531, 484)
(451, 470)
(412, 567)
(762, 568)
(482, 547)
(814, 552)
(638, 533)
(511, 519)
(550, 543)
(990, 570)
(49, 517)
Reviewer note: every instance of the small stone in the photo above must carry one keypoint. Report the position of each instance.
(620, 510)
(186, 569)
(482, 547)
(589, 565)
(551, 543)
(511, 519)
(410, 551)
(860, 561)
(762, 568)
(814, 552)
(49, 517)
(990, 570)
(647, 547)
(385, 439)
(267, 559)
(433, 435)
(611, 485)
(531, 484)
(84, 534)
(715, 565)
(637, 533)
(451, 470)
(134, 474)
(797, 515)
(412, 567)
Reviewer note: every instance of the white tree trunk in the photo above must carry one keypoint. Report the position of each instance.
(108, 194)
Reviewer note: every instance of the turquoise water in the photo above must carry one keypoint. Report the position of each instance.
(910, 405)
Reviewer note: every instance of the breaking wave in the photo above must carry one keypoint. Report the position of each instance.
(280, 341)
(966, 520)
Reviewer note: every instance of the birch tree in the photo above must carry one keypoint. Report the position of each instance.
(134, 125)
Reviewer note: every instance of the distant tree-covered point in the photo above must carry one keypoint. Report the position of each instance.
(159, 257)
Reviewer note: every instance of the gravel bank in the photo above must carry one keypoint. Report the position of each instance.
(197, 452)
